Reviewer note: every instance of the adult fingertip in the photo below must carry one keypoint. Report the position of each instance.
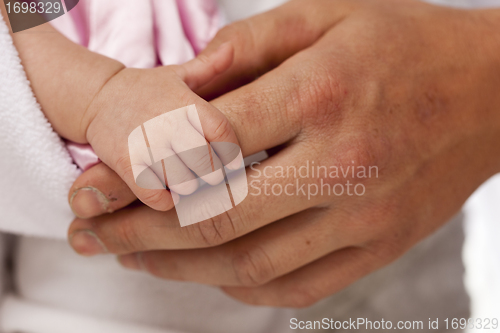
(86, 243)
(130, 261)
(87, 202)
(97, 191)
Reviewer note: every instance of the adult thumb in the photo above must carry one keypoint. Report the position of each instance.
(264, 41)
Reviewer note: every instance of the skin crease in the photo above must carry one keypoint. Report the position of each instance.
(91, 102)
(114, 113)
(401, 85)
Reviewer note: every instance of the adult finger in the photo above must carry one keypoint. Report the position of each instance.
(97, 191)
(264, 41)
(315, 281)
(270, 111)
(142, 229)
(256, 259)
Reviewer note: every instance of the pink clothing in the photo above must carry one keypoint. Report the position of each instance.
(140, 34)
(83, 155)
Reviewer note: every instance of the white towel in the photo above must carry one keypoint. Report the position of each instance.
(481, 252)
(44, 319)
(36, 170)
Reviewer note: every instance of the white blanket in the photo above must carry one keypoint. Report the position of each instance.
(36, 170)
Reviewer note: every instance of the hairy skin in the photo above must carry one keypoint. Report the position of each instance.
(405, 86)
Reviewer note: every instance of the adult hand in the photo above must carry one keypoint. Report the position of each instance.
(399, 87)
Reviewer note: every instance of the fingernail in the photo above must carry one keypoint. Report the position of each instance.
(130, 261)
(236, 163)
(88, 202)
(86, 242)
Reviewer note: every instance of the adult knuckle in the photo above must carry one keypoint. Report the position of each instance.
(323, 90)
(127, 236)
(253, 267)
(214, 231)
(361, 153)
(359, 159)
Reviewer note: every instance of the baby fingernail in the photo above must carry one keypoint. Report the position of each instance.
(236, 163)
(86, 242)
(130, 261)
(88, 202)
(175, 197)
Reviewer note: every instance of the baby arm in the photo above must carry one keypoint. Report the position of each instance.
(64, 76)
(89, 98)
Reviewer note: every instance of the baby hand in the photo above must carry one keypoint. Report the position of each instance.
(152, 129)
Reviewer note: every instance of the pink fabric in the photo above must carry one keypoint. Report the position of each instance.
(140, 34)
(83, 155)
